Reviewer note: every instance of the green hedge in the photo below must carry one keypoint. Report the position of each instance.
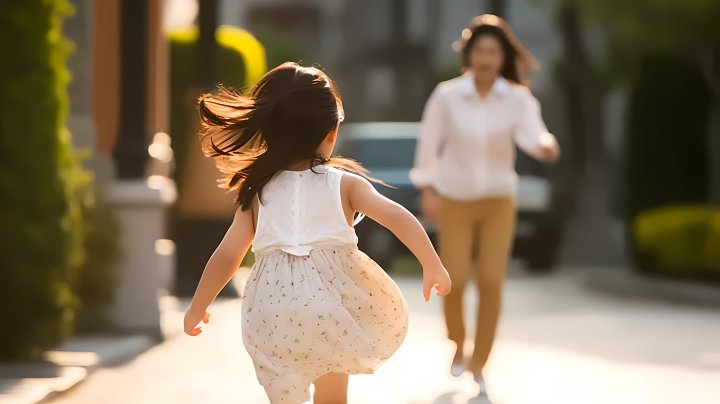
(680, 241)
(97, 283)
(41, 242)
(666, 158)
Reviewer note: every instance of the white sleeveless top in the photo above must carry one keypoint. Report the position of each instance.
(301, 208)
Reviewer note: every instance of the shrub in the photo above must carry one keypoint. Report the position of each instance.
(666, 159)
(97, 281)
(41, 180)
(680, 241)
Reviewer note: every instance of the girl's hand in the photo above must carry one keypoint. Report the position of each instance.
(192, 318)
(363, 197)
(437, 277)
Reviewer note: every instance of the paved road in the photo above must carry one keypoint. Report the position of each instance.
(557, 343)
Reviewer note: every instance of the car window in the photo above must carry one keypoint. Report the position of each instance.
(380, 153)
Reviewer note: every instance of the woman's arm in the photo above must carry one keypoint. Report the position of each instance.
(532, 135)
(432, 128)
(220, 269)
(364, 198)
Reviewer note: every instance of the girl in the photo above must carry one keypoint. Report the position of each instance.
(464, 165)
(315, 308)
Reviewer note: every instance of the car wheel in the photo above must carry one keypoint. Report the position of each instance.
(380, 244)
(541, 261)
(540, 250)
(377, 242)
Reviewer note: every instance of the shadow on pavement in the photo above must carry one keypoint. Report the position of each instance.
(452, 397)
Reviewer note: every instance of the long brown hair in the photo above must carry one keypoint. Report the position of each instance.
(283, 118)
(518, 61)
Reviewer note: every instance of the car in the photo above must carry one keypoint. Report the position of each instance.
(387, 150)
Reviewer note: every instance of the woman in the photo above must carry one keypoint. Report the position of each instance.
(464, 165)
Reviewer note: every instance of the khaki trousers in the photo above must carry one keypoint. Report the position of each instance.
(490, 223)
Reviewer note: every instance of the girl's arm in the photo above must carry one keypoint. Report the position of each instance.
(220, 269)
(364, 198)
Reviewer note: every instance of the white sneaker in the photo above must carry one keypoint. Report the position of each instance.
(457, 369)
(480, 380)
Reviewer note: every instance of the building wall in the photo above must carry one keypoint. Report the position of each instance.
(106, 72)
(100, 71)
(352, 31)
(78, 29)
(158, 70)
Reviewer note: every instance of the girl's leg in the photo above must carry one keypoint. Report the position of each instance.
(496, 235)
(455, 233)
(331, 389)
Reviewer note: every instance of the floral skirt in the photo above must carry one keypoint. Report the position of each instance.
(334, 310)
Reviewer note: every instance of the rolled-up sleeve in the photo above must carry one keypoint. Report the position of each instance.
(531, 128)
(432, 130)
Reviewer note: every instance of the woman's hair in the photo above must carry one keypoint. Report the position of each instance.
(282, 119)
(517, 60)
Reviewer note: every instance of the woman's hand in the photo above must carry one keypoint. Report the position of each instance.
(192, 318)
(549, 148)
(438, 277)
(429, 204)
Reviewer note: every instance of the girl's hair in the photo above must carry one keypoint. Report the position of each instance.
(517, 60)
(283, 118)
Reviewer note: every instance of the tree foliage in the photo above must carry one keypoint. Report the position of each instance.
(685, 28)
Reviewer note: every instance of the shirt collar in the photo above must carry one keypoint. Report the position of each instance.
(500, 86)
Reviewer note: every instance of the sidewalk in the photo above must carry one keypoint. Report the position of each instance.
(625, 282)
(558, 343)
(68, 365)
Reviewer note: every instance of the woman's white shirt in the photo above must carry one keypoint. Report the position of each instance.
(466, 146)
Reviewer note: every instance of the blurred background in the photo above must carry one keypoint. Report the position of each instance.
(109, 211)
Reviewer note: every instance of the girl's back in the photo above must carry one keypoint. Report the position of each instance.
(301, 208)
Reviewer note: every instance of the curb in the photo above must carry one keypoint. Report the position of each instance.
(65, 367)
(38, 381)
(625, 282)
